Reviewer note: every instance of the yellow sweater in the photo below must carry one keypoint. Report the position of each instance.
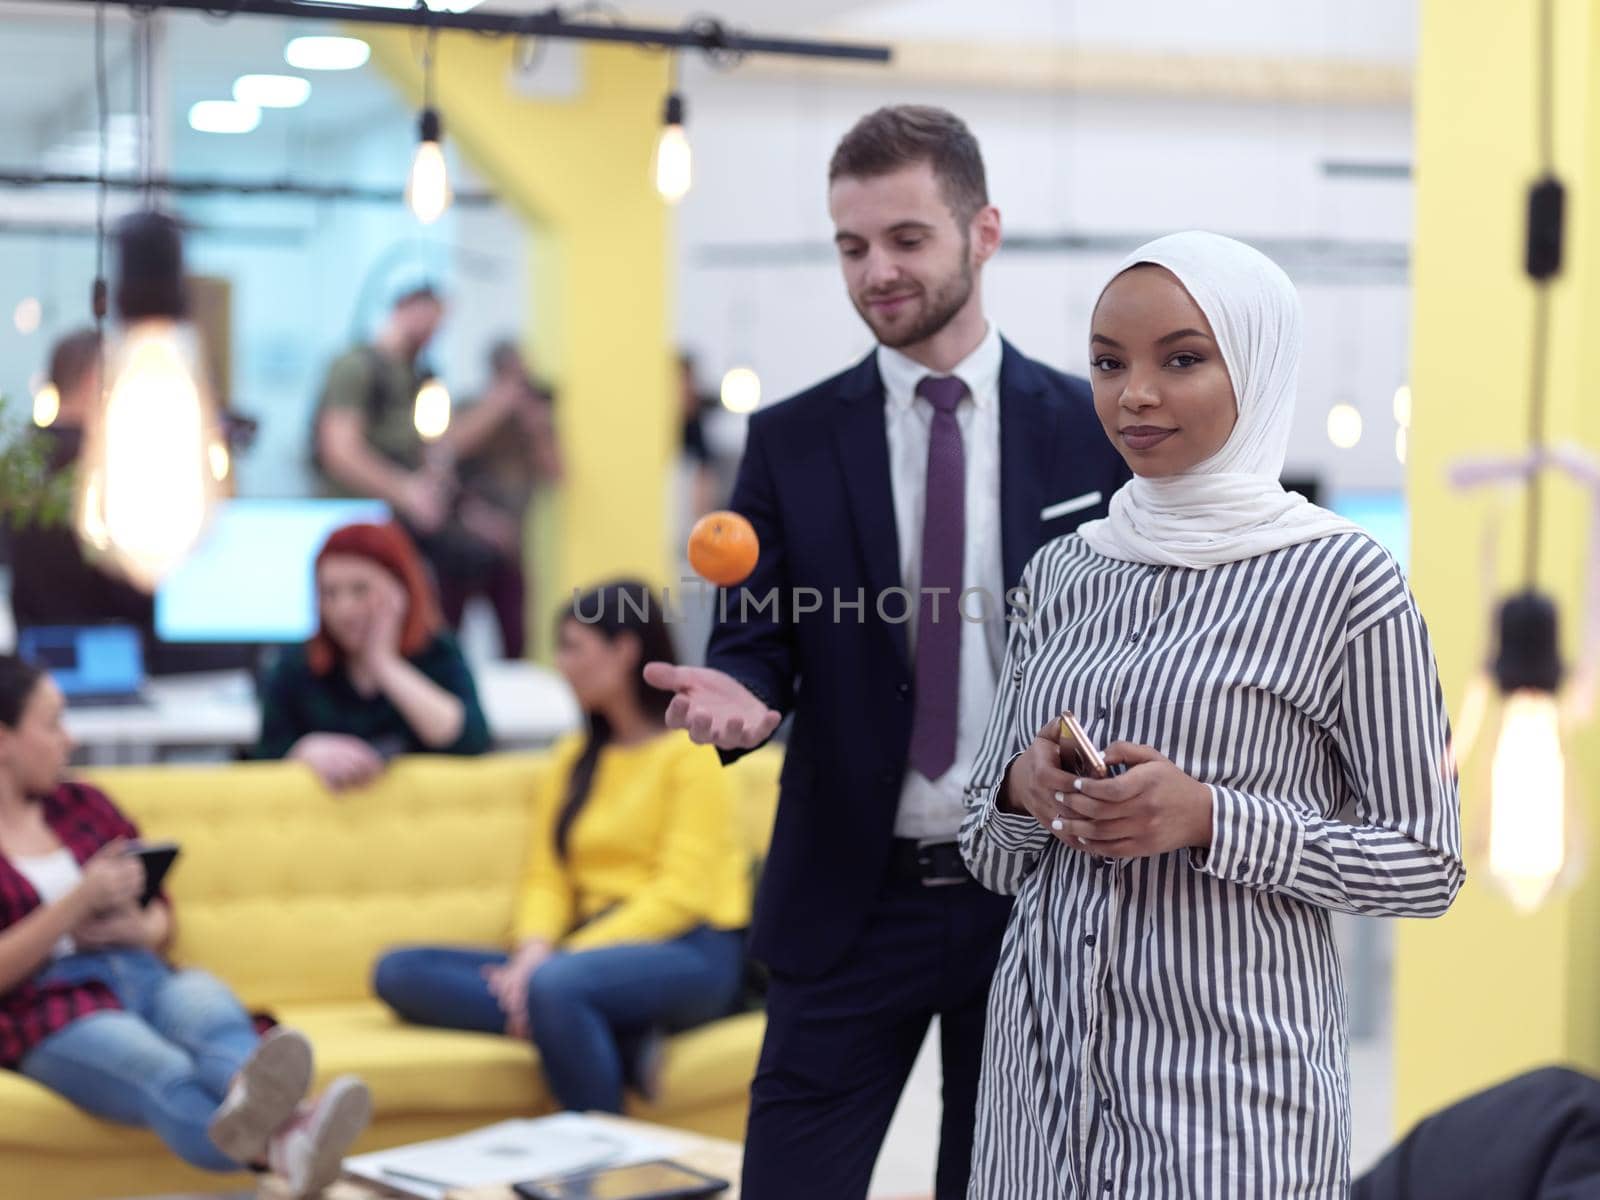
(655, 852)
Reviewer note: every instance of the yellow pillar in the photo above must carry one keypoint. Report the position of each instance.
(1484, 992)
(576, 170)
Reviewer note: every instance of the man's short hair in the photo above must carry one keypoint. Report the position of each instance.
(902, 135)
(72, 358)
(416, 295)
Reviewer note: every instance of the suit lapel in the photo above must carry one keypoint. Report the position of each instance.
(1028, 428)
(863, 444)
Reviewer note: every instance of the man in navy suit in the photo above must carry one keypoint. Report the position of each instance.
(896, 505)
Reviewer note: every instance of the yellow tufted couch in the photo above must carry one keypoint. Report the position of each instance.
(290, 894)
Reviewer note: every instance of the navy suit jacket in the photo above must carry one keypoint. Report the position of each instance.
(815, 483)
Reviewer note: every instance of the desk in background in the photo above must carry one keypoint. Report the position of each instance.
(214, 715)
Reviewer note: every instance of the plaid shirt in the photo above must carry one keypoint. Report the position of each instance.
(84, 819)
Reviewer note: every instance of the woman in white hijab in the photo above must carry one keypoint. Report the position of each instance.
(1167, 1019)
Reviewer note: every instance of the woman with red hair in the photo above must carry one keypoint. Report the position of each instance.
(381, 677)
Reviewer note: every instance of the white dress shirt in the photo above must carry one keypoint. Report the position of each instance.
(53, 876)
(933, 808)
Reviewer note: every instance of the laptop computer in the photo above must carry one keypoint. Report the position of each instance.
(93, 665)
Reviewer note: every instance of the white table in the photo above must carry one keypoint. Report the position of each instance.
(527, 706)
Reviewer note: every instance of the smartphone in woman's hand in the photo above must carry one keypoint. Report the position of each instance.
(158, 858)
(1078, 754)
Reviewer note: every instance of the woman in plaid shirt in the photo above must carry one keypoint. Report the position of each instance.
(89, 1006)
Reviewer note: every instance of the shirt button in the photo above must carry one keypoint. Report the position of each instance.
(904, 689)
(1105, 1106)
(1106, 1187)
(1100, 714)
(1134, 636)
(1088, 939)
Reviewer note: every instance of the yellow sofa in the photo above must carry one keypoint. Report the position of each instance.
(289, 894)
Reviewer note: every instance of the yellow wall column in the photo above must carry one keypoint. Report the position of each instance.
(1485, 993)
(577, 172)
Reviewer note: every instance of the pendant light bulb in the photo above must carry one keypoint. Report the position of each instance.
(674, 162)
(146, 488)
(428, 186)
(1530, 793)
(431, 412)
(46, 406)
(741, 390)
(1527, 800)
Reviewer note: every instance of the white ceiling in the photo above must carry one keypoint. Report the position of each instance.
(47, 75)
(47, 78)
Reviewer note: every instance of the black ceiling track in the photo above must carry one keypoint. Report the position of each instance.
(710, 36)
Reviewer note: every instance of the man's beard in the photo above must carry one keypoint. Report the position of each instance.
(942, 305)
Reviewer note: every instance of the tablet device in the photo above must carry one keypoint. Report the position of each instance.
(660, 1180)
(158, 858)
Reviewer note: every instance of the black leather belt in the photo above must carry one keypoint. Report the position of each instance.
(930, 863)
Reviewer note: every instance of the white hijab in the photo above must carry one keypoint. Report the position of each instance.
(1231, 506)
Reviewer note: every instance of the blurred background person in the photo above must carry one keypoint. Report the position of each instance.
(1535, 1136)
(503, 449)
(381, 676)
(695, 454)
(52, 581)
(632, 915)
(365, 439)
(91, 1009)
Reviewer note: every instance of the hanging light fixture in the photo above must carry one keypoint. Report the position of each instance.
(741, 390)
(1529, 792)
(1531, 808)
(673, 169)
(146, 485)
(428, 185)
(46, 405)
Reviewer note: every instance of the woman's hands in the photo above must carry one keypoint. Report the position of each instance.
(109, 880)
(1036, 786)
(339, 760)
(508, 984)
(1151, 808)
(386, 621)
(107, 898)
(129, 925)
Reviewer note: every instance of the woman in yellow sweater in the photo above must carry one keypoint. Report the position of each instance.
(631, 919)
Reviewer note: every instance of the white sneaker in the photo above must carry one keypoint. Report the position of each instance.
(308, 1153)
(263, 1095)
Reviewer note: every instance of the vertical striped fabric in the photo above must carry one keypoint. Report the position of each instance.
(1174, 1026)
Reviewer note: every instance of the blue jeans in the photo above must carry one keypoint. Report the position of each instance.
(583, 1007)
(165, 1061)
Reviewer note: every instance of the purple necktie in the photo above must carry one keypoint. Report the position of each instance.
(944, 527)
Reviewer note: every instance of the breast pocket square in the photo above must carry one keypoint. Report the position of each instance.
(1067, 507)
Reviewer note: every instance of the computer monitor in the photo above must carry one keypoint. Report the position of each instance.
(89, 663)
(1384, 515)
(250, 579)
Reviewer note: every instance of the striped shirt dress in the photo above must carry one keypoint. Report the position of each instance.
(1173, 1028)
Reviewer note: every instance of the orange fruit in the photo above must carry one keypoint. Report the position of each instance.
(723, 548)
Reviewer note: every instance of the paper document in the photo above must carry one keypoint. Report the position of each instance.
(507, 1153)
